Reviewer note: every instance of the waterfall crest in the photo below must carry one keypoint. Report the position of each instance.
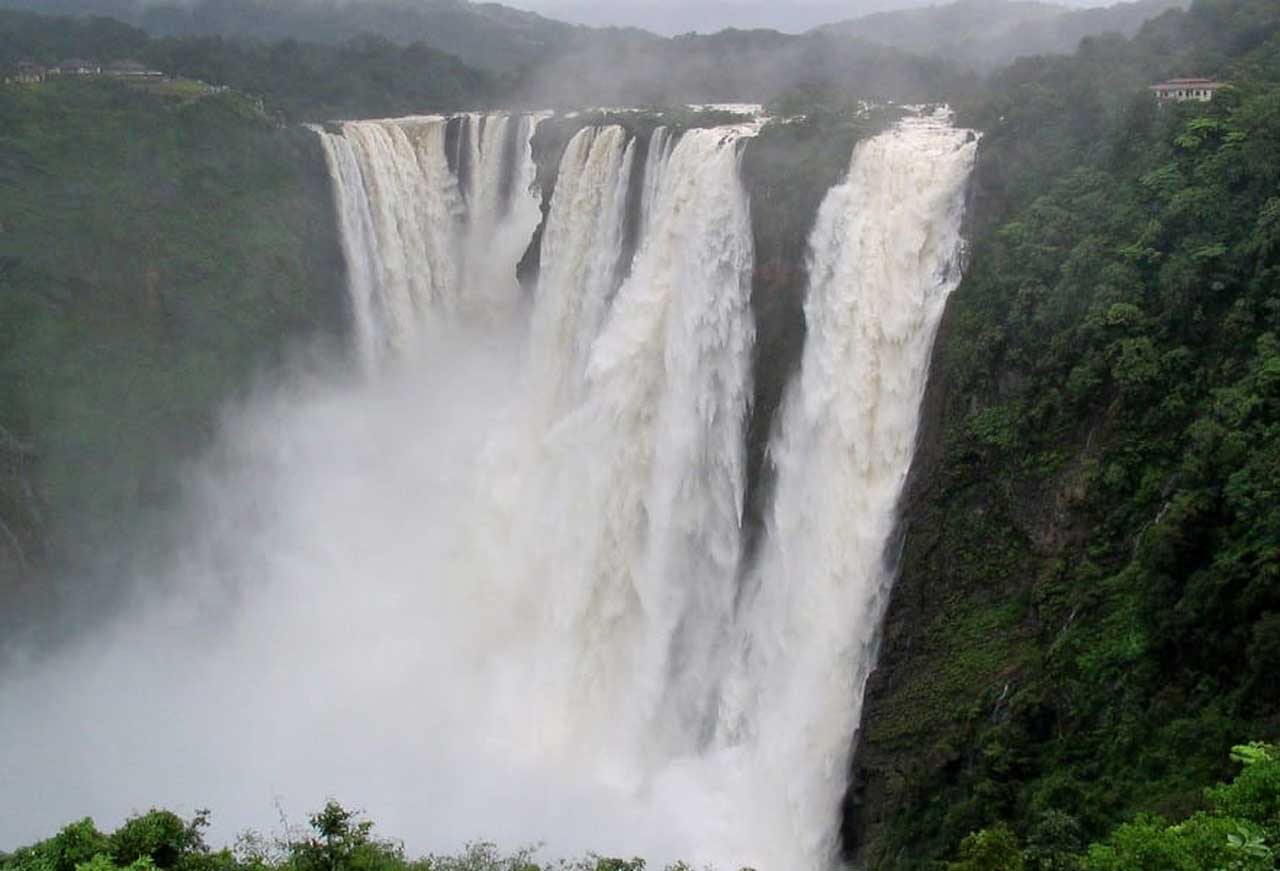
(430, 234)
(579, 259)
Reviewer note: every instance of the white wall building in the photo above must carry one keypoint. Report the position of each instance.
(1180, 90)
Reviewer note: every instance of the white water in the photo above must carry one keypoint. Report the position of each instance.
(424, 247)
(579, 261)
(493, 588)
(625, 492)
(884, 256)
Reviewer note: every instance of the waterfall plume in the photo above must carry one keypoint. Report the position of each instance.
(491, 585)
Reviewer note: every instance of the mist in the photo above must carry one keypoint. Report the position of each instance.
(664, 17)
(307, 640)
(709, 16)
(482, 576)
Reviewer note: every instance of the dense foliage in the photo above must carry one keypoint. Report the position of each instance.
(154, 251)
(1091, 583)
(1239, 830)
(486, 36)
(1089, 610)
(377, 70)
(337, 839)
(366, 76)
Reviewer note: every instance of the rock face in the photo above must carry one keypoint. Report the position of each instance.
(960, 636)
(955, 639)
(883, 748)
(21, 546)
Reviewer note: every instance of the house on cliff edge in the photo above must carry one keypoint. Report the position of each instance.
(1182, 90)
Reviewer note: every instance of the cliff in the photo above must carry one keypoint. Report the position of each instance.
(155, 253)
(1084, 618)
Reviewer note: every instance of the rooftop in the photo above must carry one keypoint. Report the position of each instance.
(1190, 83)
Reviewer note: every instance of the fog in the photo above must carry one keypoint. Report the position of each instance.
(308, 644)
(670, 17)
(666, 17)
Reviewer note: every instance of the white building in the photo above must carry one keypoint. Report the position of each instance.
(1181, 90)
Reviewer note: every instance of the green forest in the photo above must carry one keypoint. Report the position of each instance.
(366, 76)
(1089, 586)
(157, 251)
(1078, 671)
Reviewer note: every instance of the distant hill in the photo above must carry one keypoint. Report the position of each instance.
(299, 58)
(613, 68)
(984, 34)
(485, 35)
(297, 81)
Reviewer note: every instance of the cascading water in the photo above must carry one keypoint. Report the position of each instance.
(884, 256)
(579, 260)
(623, 481)
(638, 484)
(427, 239)
(493, 587)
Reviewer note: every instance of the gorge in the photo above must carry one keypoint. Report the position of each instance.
(494, 474)
(500, 569)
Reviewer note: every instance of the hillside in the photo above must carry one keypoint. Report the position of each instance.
(1088, 613)
(735, 65)
(156, 250)
(1085, 618)
(297, 81)
(371, 76)
(485, 35)
(984, 34)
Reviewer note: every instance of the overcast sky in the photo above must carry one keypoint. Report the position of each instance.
(681, 16)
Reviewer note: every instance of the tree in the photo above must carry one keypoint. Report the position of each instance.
(993, 849)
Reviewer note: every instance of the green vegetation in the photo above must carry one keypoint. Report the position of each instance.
(487, 36)
(1089, 608)
(155, 252)
(984, 34)
(337, 839)
(1238, 831)
(365, 76)
(383, 57)
(377, 70)
(1091, 577)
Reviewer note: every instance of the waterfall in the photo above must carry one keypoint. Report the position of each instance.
(491, 585)
(428, 240)
(648, 659)
(628, 456)
(883, 258)
(579, 257)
